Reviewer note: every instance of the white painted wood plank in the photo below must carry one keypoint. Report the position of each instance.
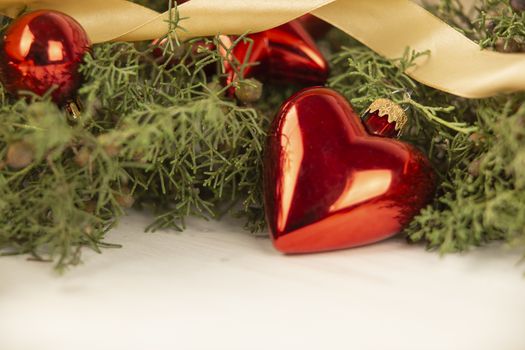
(217, 287)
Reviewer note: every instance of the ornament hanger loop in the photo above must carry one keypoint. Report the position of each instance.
(407, 95)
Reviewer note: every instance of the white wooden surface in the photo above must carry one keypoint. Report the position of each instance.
(216, 287)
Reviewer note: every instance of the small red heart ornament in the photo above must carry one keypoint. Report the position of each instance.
(315, 26)
(329, 184)
(285, 53)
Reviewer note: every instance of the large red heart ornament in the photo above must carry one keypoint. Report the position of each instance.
(331, 185)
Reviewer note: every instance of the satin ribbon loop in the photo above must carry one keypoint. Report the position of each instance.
(456, 64)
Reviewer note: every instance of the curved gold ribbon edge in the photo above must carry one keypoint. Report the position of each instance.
(456, 65)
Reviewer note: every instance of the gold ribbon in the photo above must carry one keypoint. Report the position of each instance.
(455, 65)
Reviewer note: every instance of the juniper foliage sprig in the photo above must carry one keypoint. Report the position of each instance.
(161, 134)
(494, 24)
(153, 133)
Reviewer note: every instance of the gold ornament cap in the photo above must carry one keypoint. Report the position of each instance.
(385, 107)
(385, 118)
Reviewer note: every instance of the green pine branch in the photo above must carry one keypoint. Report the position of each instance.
(162, 135)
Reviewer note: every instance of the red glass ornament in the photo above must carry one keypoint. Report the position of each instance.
(331, 185)
(285, 53)
(385, 118)
(380, 125)
(41, 50)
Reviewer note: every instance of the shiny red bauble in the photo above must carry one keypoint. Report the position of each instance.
(329, 184)
(286, 53)
(375, 124)
(43, 50)
(384, 117)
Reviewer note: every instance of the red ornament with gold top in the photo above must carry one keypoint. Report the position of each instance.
(384, 118)
(43, 50)
(286, 53)
(330, 183)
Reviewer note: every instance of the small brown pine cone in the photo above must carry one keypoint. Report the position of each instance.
(517, 5)
(19, 155)
(249, 90)
(125, 199)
